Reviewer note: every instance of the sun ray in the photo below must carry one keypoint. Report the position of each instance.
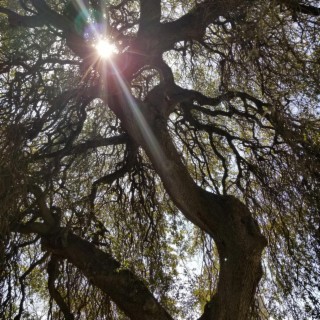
(149, 136)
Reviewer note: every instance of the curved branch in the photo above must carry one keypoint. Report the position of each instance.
(225, 218)
(32, 227)
(52, 270)
(129, 161)
(124, 287)
(192, 25)
(47, 16)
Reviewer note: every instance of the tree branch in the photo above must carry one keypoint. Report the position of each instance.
(192, 25)
(32, 227)
(16, 20)
(299, 7)
(225, 218)
(150, 13)
(129, 161)
(46, 16)
(85, 146)
(53, 270)
(124, 288)
(41, 201)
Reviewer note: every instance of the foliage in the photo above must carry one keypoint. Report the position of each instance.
(241, 82)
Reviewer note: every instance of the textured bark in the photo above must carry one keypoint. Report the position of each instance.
(123, 287)
(237, 235)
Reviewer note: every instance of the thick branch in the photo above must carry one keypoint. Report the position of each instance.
(150, 12)
(32, 227)
(124, 288)
(192, 25)
(225, 218)
(129, 161)
(299, 7)
(54, 293)
(16, 20)
(74, 40)
(46, 16)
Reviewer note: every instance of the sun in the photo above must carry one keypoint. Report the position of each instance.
(105, 49)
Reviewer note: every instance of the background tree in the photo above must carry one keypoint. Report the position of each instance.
(192, 146)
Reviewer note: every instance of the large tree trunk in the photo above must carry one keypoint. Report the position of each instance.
(240, 246)
(237, 235)
(230, 223)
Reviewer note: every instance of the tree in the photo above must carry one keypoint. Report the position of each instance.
(197, 139)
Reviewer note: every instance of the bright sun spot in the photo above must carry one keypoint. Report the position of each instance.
(105, 49)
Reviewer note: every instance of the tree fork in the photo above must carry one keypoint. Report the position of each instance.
(225, 218)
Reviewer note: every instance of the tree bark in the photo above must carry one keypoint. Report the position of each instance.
(124, 288)
(236, 234)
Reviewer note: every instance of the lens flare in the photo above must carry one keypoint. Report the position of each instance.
(105, 49)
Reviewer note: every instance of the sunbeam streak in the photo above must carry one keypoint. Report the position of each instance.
(148, 135)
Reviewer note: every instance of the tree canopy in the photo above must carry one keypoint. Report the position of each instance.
(175, 176)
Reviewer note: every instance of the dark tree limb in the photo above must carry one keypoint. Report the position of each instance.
(129, 161)
(46, 16)
(225, 218)
(124, 288)
(53, 271)
(86, 146)
(43, 208)
(39, 228)
(299, 7)
(150, 13)
(16, 20)
(192, 26)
